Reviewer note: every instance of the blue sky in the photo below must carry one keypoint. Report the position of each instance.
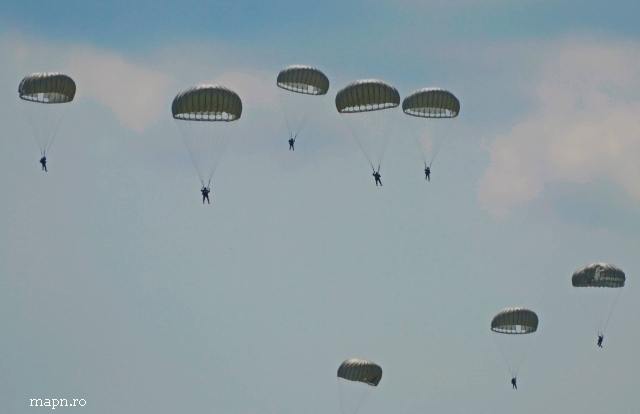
(118, 286)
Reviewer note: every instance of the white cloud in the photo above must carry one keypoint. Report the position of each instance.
(587, 125)
(138, 96)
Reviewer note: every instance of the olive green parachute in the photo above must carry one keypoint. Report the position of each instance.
(47, 88)
(431, 103)
(303, 79)
(430, 112)
(366, 95)
(50, 89)
(206, 141)
(300, 89)
(360, 370)
(515, 321)
(598, 275)
(207, 103)
(356, 380)
(368, 108)
(598, 286)
(511, 325)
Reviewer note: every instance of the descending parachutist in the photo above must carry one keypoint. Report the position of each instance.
(427, 173)
(292, 141)
(205, 194)
(43, 161)
(513, 383)
(600, 339)
(377, 176)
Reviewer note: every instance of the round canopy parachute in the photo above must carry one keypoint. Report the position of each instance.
(513, 324)
(207, 103)
(367, 106)
(430, 111)
(205, 115)
(40, 92)
(515, 321)
(598, 275)
(356, 379)
(299, 89)
(431, 103)
(360, 370)
(598, 286)
(366, 95)
(303, 79)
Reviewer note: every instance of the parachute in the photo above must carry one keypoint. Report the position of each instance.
(367, 106)
(41, 94)
(430, 112)
(300, 87)
(513, 326)
(599, 285)
(206, 116)
(356, 379)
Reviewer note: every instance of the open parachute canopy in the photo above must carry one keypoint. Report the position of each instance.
(47, 88)
(360, 370)
(207, 103)
(367, 107)
(598, 275)
(366, 95)
(303, 79)
(430, 111)
(431, 103)
(515, 320)
(599, 303)
(206, 141)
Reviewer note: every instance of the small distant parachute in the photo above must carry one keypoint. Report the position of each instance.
(300, 90)
(513, 326)
(356, 379)
(42, 94)
(599, 285)
(206, 116)
(430, 114)
(368, 108)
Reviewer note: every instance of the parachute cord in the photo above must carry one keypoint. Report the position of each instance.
(604, 328)
(586, 310)
(515, 374)
(504, 357)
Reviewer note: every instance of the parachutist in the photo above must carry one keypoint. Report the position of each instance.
(43, 161)
(205, 194)
(513, 383)
(377, 176)
(427, 173)
(600, 339)
(291, 142)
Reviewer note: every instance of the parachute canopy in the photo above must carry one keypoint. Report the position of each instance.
(360, 370)
(47, 87)
(366, 95)
(207, 103)
(515, 321)
(431, 103)
(303, 79)
(598, 275)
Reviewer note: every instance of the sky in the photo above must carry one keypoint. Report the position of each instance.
(119, 287)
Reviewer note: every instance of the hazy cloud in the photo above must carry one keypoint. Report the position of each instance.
(586, 126)
(137, 95)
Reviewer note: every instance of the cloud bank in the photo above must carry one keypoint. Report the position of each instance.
(587, 125)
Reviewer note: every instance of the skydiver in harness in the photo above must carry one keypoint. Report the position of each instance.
(513, 383)
(600, 339)
(427, 172)
(292, 140)
(205, 193)
(43, 161)
(377, 176)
